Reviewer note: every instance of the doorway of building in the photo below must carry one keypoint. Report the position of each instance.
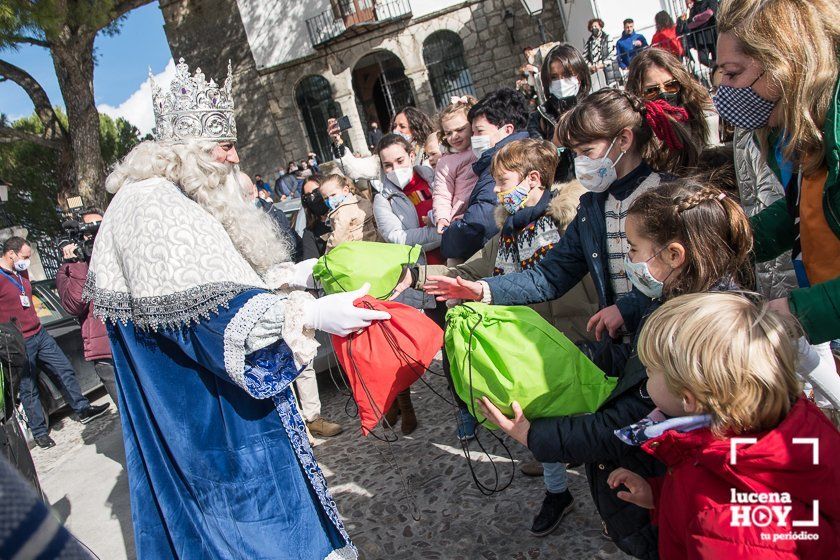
(381, 88)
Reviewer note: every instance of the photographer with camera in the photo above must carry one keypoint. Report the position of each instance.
(42, 350)
(70, 282)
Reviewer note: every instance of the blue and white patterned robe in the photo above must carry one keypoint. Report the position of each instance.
(218, 460)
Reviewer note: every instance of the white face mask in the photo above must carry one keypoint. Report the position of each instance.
(407, 137)
(400, 176)
(22, 264)
(641, 277)
(597, 175)
(564, 87)
(480, 144)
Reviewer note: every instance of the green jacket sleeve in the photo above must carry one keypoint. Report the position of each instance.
(818, 310)
(773, 231)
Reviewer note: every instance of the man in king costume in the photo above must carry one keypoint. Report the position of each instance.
(209, 324)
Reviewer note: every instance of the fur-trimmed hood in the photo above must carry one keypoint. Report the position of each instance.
(562, 208)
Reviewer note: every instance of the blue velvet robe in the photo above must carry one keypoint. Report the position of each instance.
(215, 470)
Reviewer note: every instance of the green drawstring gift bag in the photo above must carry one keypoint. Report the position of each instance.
(512, 354)
(349, 265)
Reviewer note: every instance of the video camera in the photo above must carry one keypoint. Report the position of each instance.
(82, 234)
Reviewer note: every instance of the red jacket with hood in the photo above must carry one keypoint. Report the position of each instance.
(70, 282)
(694, 499)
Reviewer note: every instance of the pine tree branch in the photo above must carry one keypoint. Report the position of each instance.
(120, 9)
(8, 134)
(43, 108)
(11, 39)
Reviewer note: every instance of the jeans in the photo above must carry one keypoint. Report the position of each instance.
(105, 371)
(42, 350)
(554, 475)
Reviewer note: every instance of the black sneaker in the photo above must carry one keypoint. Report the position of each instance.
(93, 411)
(44, 442)
(554, 508)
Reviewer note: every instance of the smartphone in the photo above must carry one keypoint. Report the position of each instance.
(344, 123)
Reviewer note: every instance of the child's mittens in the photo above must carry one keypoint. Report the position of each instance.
(638, 490)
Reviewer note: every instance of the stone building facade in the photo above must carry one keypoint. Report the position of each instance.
(295, 64)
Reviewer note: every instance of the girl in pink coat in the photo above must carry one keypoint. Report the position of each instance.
(454, 177)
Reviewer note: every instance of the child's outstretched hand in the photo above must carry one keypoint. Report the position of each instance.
(517, 428)
(442, 224)
(403, 284)
(608, 319)
(446, 288)
(638, 491)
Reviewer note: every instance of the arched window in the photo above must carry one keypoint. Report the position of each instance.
(443, 53)
(314, 99)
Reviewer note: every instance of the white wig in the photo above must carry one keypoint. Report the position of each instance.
(215, 187)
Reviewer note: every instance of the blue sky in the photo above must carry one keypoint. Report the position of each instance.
(122, 68)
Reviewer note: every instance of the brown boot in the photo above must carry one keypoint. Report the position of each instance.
(390, 418)
(409, 419)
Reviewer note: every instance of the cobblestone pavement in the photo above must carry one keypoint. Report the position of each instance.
(413, 498)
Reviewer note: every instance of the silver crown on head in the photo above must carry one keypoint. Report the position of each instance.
(193, 108)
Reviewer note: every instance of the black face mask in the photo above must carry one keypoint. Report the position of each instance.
(670, 98)
(314, 202)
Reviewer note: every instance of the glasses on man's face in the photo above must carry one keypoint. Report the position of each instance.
(652, 92)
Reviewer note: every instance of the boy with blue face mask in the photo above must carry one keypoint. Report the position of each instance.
(497, 119)
(351, 217)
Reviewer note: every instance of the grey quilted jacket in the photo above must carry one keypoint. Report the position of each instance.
(759, 188)
(397, 222)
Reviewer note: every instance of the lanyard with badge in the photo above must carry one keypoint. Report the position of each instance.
(24, 300)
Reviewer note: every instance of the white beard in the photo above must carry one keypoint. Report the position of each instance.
(212, 185)
(252, 231)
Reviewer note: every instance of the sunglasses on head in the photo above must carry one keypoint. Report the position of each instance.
(651, 92)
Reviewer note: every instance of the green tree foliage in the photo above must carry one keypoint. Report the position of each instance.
(31, 170)
(67, 28)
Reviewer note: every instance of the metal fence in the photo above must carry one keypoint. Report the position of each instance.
(345, 14)
(698, 57)
(51, 256)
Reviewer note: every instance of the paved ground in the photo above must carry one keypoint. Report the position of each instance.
(413, 498)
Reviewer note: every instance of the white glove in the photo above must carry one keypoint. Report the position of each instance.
(302, 275)
(815, 364)
(336, 314)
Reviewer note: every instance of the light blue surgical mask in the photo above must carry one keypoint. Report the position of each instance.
(640, 276)
(335, 200)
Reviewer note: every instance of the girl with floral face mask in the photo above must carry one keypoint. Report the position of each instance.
(700, 240)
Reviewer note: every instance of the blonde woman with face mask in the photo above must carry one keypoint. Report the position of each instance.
(781, 82)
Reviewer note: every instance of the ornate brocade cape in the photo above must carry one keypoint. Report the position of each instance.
(218, 460)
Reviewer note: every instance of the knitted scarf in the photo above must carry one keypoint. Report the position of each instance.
(526, 237)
